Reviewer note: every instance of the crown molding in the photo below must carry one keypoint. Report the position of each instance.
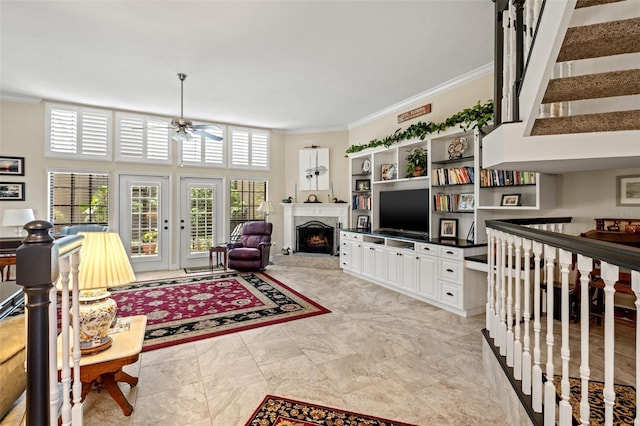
(315, 130)
(23, 99)
(421, 97)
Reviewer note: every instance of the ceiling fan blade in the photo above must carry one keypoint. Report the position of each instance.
(206, 134)
(206, 127)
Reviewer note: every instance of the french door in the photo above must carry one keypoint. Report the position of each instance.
(144, 221)
(201, 224)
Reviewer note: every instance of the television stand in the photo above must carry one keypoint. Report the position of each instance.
(400, 233)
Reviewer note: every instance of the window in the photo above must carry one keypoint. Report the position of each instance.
(249, 148)
(204, 151)
(78, 198)
(141, 138)
(78, 132)
(246, 196)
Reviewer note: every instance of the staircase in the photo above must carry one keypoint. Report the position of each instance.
(584, 108)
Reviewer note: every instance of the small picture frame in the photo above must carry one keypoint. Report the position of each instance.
(363, 185)
(471, 235)
(11, 166)
(11, 191)
(448, 229)
(628, 190)
(467, 202)
(389, 171)
(363, 221)
(510, 200)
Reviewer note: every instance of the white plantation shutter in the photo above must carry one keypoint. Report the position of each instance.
(249, 148)
(142, 139)
(204, 151)
(77, 131)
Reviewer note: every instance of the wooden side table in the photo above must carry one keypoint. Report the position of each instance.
(221, 255)
(105, 367)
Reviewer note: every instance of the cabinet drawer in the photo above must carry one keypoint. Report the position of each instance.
(450, 270)
(451, 253)
(423, 248)
(451, 294)
(345, 251)
(350, 236)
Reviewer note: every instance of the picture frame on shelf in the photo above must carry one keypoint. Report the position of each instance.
(628, 190)
(510, 200)
(11, 191)
(363, 222)
(467, 202)
(363, 185)
(448, 229)
(11, 166)
(471, 235)
(389, 171)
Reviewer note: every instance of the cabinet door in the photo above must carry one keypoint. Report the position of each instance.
(355, 253)
(394, 267)
(426, 276)
(409, 271)
(368, 259)
(379, 263)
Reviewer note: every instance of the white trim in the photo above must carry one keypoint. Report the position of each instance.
(23, 99)
(314, 130)
(447, 85)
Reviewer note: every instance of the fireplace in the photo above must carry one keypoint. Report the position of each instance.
(315, 237)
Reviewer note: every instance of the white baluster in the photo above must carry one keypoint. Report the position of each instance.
(490, 302)
(561, 105)
(76, 410)
(510, 337)
(536, 376)
(506, 68)
(64, 325)
(512, 58)
(585, 265)
(609, 274)
(569, 74)
(635, 285)
(503, 296)
(526, 354)
(565, 353)
(517, 344)
(528, 19)
(549, 387)
(53, 370)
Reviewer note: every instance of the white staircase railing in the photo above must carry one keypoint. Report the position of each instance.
(522, 262)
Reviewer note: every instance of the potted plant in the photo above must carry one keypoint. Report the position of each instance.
(416, 161)
(149, 242)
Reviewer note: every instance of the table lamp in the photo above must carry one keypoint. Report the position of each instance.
(17, 218)
(266, 207)
(103, 263)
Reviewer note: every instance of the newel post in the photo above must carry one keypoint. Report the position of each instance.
(36, 270)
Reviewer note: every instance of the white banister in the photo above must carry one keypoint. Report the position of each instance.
(585, 264)
(53, 371)
(526, 355)
(509, 274)
(536, 376)
(609, 274)
(65, 373)
(76, 411)
(549, 387)
(503, 294)
(565, 353)
(517, 345)
(490, 312)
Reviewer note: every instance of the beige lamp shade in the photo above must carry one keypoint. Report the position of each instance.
(17, 218)
(266, 207)
(104, 261)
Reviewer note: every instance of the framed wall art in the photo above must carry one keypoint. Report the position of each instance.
(628, 190)
(510, 200)
(363, 185)
(314, 169)
(363, 221)
(11, 166)
(11, 191)
(389, 171)
(448, 229)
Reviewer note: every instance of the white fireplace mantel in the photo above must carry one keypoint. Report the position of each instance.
(338, 210)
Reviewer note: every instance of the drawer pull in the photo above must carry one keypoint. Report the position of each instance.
(449, 252)
(371, 248)
(449, 294)
(450, 271)
(398, 254)
(427, 249)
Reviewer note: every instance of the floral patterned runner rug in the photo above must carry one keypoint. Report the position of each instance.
(188, 309)
(278, 411)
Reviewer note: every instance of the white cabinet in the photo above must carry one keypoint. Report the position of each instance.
(430, 272)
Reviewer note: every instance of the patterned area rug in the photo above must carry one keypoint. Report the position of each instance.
(188, 309)
(278, 411)
(624, 410)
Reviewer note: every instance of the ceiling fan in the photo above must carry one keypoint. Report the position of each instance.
(185, 129)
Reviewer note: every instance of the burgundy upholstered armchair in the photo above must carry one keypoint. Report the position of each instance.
(251, 251)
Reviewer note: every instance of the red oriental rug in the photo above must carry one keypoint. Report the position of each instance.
(278, 411)
(188, 309)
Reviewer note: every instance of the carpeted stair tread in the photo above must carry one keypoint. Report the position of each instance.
(600, 40)
(589, 3)
(588, 123)
(593, 86)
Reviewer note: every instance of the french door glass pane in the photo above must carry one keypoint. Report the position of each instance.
(202, 218)
(144, 220)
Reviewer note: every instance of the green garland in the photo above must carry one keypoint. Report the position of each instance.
(476, 117)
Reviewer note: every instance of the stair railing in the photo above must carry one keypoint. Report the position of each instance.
(40, 262)
(522, 261)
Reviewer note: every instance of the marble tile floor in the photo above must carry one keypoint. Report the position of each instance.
(378, 352)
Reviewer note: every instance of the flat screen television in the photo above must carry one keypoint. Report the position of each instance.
(405, 211)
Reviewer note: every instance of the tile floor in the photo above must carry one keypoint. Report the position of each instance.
(378, 352)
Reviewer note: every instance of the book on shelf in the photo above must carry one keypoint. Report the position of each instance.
(454, 202)
(453, 176)
(361, 202)
(506, 178)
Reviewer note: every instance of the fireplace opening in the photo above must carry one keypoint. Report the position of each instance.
(315, 237)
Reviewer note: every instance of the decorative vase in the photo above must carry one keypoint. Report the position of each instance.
(417, 171)
(97, 311)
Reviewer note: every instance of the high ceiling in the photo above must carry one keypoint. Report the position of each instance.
(287, 65)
